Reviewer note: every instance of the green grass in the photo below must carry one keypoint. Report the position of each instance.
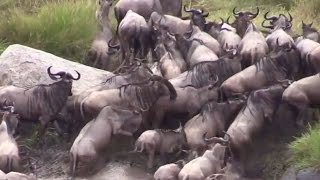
(306, 149)
(63, 28)
(66, 28)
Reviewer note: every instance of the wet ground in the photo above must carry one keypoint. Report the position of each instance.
(268, 158)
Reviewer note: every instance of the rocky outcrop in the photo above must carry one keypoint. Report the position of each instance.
(25, 67)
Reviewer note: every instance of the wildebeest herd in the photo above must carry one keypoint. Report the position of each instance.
(184, 85)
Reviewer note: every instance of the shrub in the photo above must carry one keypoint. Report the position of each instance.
(63, 28)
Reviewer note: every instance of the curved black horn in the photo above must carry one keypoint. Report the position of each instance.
(77, 77)
(290, 16)
(205, 14)
(53, 76)
(228, 20)
(113, 46)
(187, 10)
(234, 11)
(269, 18)
(222, 21)
(254, 15)
(262, 24)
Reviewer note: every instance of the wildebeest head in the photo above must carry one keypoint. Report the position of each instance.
(309, 32)
(9, 117)
(64, 77)
(103, 9)
(143, 95)
(243, 19)
(197, 16)
(282, 21)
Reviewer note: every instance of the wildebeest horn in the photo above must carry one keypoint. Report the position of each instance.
(205, 14)
(53, 76)
(77, 77)
(172, 90)
(255, 14)
(214, 176)
(222, 21)
(290, 16)
(228, 20)
(217, 79)
(262, 24)
(113, 46)
(269, 18)
(187, 10)
(214, 140)
(234, 11)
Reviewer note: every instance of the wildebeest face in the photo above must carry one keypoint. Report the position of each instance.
(198, 17)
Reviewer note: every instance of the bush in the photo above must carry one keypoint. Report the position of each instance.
(306, 149)
(63, 28)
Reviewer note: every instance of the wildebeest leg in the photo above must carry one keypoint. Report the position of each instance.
(57, 127)
(158, 119)
(44, 120)
(150, 159)
(302, 117)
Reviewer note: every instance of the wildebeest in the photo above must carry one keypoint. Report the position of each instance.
(243, 20)
(171, 23)
(202, 74)
(171, 61)
(17, 176)
(188, 103)
(98, 55)
(160, 141)
(228, 38)
(309, 32)
(303, 94)
(146, 7)
(167, 172)
(96, 134)
(213, 119)
(281, 65)
(9, 152)
(252, 47)
(308, 53)
(133, 33)
(197, 17)
(138, 95)
(281, 21)
(261, 107)
(212, 161)
(42, 102)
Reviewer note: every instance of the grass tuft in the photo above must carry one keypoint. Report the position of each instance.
(306, 149)
(64, 29)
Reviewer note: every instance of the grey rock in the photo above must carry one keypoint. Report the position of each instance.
(289, 174)
(308, 174)
(25, 67)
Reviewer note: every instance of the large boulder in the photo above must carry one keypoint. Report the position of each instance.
(25, 67)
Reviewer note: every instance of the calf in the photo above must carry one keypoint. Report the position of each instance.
(167, 172)
(160, 141)
(212, 161)
(9, 152)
